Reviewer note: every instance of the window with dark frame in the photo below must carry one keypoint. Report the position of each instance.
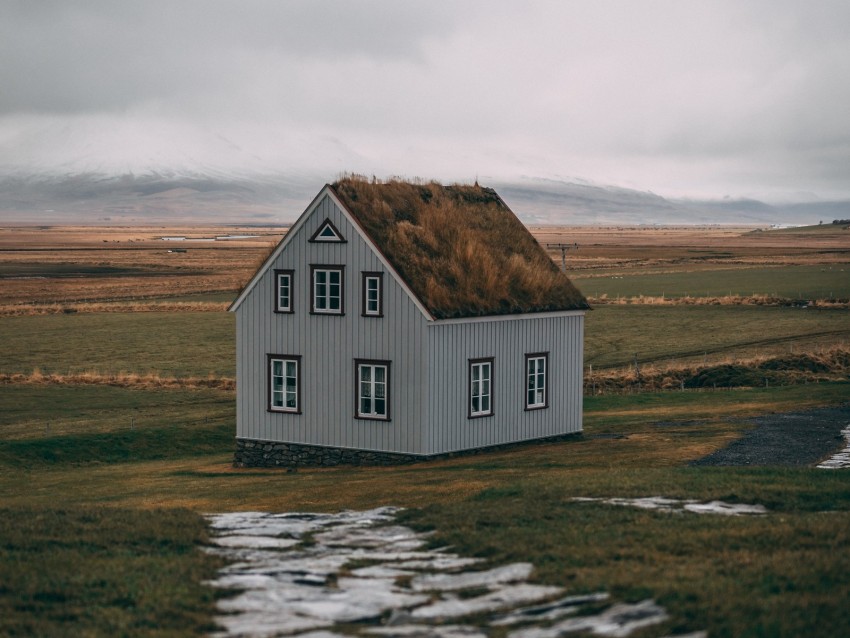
(480, 387)
(328, 290)
(284, 383)
(373, 294)
(283, 280)
(372, 392)
(536, 378)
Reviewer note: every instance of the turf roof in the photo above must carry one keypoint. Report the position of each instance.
(459, 248)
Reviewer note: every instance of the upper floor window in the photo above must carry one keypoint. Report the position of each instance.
(536, 376)
(284, 383)
(283, 280)
(373, 294)
(327, 232)
(480, 387)
(328, 289)
(373, 389)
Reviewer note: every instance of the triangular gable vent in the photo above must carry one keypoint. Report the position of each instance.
(328, 232)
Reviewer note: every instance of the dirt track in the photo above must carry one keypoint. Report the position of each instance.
(789, 439)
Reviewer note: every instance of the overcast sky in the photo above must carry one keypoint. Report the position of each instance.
(682, 98)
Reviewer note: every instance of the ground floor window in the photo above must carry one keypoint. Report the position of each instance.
(480, 387)
(536, 373)
(284, 383)
(373, 389)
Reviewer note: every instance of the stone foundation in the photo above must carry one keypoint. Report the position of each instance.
(254, 453)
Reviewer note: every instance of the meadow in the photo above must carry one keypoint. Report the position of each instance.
(103, 484)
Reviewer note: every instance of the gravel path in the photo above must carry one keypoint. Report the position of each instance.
(790, 439)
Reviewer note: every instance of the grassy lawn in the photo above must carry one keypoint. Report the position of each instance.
(105, 542)
(793, 282)
(90, 571)
(614, 334)
(168, 343)
(102, 489)
(199, 344)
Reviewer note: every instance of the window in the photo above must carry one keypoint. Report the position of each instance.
(327, 232)
(327, 297)
(480, 387)
(373, 389)
(373, 294)
(284, 383)
(283, 290)
(536, 375)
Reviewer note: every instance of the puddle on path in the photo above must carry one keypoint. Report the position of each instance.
(361, 574)
(678, 505)
(840, 460)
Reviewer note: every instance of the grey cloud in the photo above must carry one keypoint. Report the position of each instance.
(101, 56)
(664, 95)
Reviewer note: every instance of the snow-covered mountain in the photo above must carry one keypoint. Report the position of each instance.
(153, 198)
(115, 169)
(169, 196)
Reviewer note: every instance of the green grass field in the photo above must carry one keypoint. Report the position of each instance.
(792, 282)
(168, 343)
(100, 525)
(102, 488)
(199, 344)
(614, 334)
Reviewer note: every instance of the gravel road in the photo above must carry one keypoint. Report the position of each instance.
(790, 439)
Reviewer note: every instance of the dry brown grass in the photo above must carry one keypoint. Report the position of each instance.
(828, 364)
(725, 300)
(150, 380)
(143, 269)
(658, 249)
(76, 264)
(18, 310)
(459, 248)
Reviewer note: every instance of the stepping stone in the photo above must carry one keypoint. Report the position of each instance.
(617, 621)
(449, 582)
(505, 598)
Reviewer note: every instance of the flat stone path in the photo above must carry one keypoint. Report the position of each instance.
(362, 574)
(840, 460)
(680, 505)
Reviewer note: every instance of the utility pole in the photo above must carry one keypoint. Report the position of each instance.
(563, 248)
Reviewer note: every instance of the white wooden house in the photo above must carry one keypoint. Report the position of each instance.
(400, 321)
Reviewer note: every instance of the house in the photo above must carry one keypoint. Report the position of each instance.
(399, 321)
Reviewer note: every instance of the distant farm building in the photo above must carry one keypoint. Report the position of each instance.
(400, 321)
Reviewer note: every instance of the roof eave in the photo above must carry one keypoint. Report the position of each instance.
(280, 246)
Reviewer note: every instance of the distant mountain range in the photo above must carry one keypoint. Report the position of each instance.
(561, 202)
(156, 197)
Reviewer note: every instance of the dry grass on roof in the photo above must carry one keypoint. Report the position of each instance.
(460, 249)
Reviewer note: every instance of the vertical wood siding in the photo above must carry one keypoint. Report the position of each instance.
(328, 345)
(430, 361)
(452, 345)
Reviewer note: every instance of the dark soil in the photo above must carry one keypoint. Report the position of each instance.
(790, 439)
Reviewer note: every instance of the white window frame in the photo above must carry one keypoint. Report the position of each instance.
(279, 277)
(368, 390)
(537, 381)
(289, 397)
(373, 304)
(315, 271)
(481, 387)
